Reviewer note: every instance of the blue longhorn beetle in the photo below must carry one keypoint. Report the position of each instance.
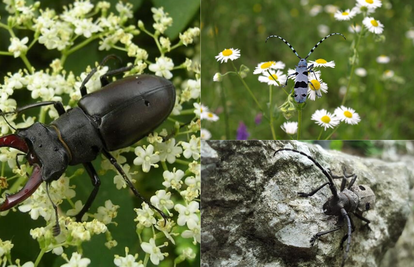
(302, 69)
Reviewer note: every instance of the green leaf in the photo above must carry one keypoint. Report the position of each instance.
(182, 12)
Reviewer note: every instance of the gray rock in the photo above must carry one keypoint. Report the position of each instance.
(252, 215)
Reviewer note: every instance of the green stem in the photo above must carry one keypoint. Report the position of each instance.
(334, 130)
(353, 66)
(271, 112)
(27, 63)
(299, 121)
(250, 92)
(39, 257)
(225, 111)
(320, 134)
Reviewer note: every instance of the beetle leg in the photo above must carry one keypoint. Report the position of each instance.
(362, 218)
(301, 194)
(131, 185)
(317, 235)
(96, 182)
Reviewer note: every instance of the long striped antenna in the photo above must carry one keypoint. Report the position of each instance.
(328, 176)
(323, 39)
(286, 42)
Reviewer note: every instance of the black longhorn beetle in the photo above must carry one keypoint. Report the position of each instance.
(116, 116)
(353, 199)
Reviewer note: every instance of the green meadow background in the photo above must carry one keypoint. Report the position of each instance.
(386, 106)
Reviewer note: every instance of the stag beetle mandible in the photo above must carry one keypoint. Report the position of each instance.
(118, 115)
(353, 199)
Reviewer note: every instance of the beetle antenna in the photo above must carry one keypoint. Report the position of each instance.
(56, 228)
(3, 114)
(331, 183)
(348, 243)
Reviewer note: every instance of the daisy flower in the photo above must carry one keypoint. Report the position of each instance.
(227, 54)
(276, 78)
(210, 116)
(205, 134)
(370, 3)
(345, 15)
(354, 28)
(262, 67)
(348, 115)
(322, 63)
(374, 26)
(361, 72)
(290, 127)
(383, 59)
(358, 9)
(325, 119)
(316, 87)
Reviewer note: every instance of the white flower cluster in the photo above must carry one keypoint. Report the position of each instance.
(80, 24)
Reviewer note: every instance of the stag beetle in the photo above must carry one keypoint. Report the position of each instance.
(116, 116)
(353, 199)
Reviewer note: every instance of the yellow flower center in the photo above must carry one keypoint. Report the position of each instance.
(315, 85)
(210, 115)
(227, 52)
(321, 61)
(345, 13)
(369, 1)
(374, 23)
(326, 119)
(267, 65)
(273, 77)
(348, 114)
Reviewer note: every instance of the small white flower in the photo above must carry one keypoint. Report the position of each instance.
(348, 115)
(374, 26)
(107, 213)
(162, 67)
(345, 15)
(169, 151)
(354, 28)
(77, 261)
(205, 134)
(325, 119)
(145, 216)
(192, 148)
(227, 54)
(187, 214)
(146, 157)
(262, 67)
(276, 78)
(383, 59)
(361, 72)
(155, 252)
(322, 63)
(17, 46)
(173, 179)
(290, 127)
(217, 77)
(162, 200)
(127, 261)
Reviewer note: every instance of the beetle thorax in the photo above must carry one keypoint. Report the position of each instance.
(302, 63)
(346, 199)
